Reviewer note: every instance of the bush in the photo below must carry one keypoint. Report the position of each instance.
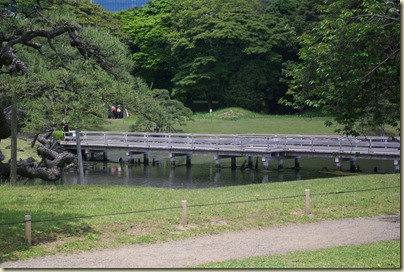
(58, 135)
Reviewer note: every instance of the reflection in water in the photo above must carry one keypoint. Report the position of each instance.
(203, 173)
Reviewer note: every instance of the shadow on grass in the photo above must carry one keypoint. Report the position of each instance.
(46, 228)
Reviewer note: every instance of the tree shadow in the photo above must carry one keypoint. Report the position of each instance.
(45, 227)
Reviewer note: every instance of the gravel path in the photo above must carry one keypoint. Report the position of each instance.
(233, 245)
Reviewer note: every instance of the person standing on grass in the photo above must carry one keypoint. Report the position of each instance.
(119, 112)
(113, 110)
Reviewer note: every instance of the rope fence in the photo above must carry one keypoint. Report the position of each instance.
(184, 221)
(197, 206)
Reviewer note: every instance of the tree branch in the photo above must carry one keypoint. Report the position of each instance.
(381, 63)
(380, 16)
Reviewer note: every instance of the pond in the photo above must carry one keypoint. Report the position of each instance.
(204, 174)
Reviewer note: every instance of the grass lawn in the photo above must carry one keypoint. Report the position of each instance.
(151, 221)
(374, 255)
(24, 149)
(240, 121)
(247, 122)
(222, 122)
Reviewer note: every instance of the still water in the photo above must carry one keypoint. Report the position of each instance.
(203, 172)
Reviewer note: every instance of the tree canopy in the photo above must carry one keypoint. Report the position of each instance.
(210, 50)
(349, 66)
(54, 64)
(339, 56)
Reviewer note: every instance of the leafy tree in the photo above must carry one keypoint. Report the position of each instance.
(158, 112)
(299, 14)
(57, 68)
(211, 50)
(44, 46)
(224, 52)
(350, 66)
(149, 28)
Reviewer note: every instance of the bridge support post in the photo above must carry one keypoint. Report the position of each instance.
(146, 159)
(250, 162)
(352, 165)
(130, 157)
(172, 160)
(338, 162)
(233, 163)
(397, 166)
(217, 161)
(280, 164)
(188, 160)
(265, 162)
(297, 163)
(105, 155)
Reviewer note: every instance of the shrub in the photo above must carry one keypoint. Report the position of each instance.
(58, 135)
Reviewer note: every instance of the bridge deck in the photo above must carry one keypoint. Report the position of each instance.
(240, 145)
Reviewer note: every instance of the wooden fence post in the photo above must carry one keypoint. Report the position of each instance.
(307, 193)
(28, 229)
(184, 220)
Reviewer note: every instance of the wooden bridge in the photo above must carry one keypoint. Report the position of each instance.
(269, 147)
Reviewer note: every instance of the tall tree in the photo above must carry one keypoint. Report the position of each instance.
(224, 52)
(44, 57)
(211, 50)
(44, 46)
(157, 112)
(149, 28)
(350, 66)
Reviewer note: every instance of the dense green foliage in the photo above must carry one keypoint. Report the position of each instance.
(157, 112)
(340, 56)
(350, 65)
(68, 61)
(211, 50)
(54, 64)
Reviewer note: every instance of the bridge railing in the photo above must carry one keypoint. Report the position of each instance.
(240, 141)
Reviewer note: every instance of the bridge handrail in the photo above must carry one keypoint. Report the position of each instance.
(240, 141)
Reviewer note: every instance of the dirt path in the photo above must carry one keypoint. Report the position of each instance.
(177, 254)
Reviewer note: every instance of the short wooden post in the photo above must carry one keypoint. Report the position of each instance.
(184, 220)
(307, 193)
(28, 229)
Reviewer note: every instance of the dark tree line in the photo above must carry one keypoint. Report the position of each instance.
(341, 57)
(226, 51)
